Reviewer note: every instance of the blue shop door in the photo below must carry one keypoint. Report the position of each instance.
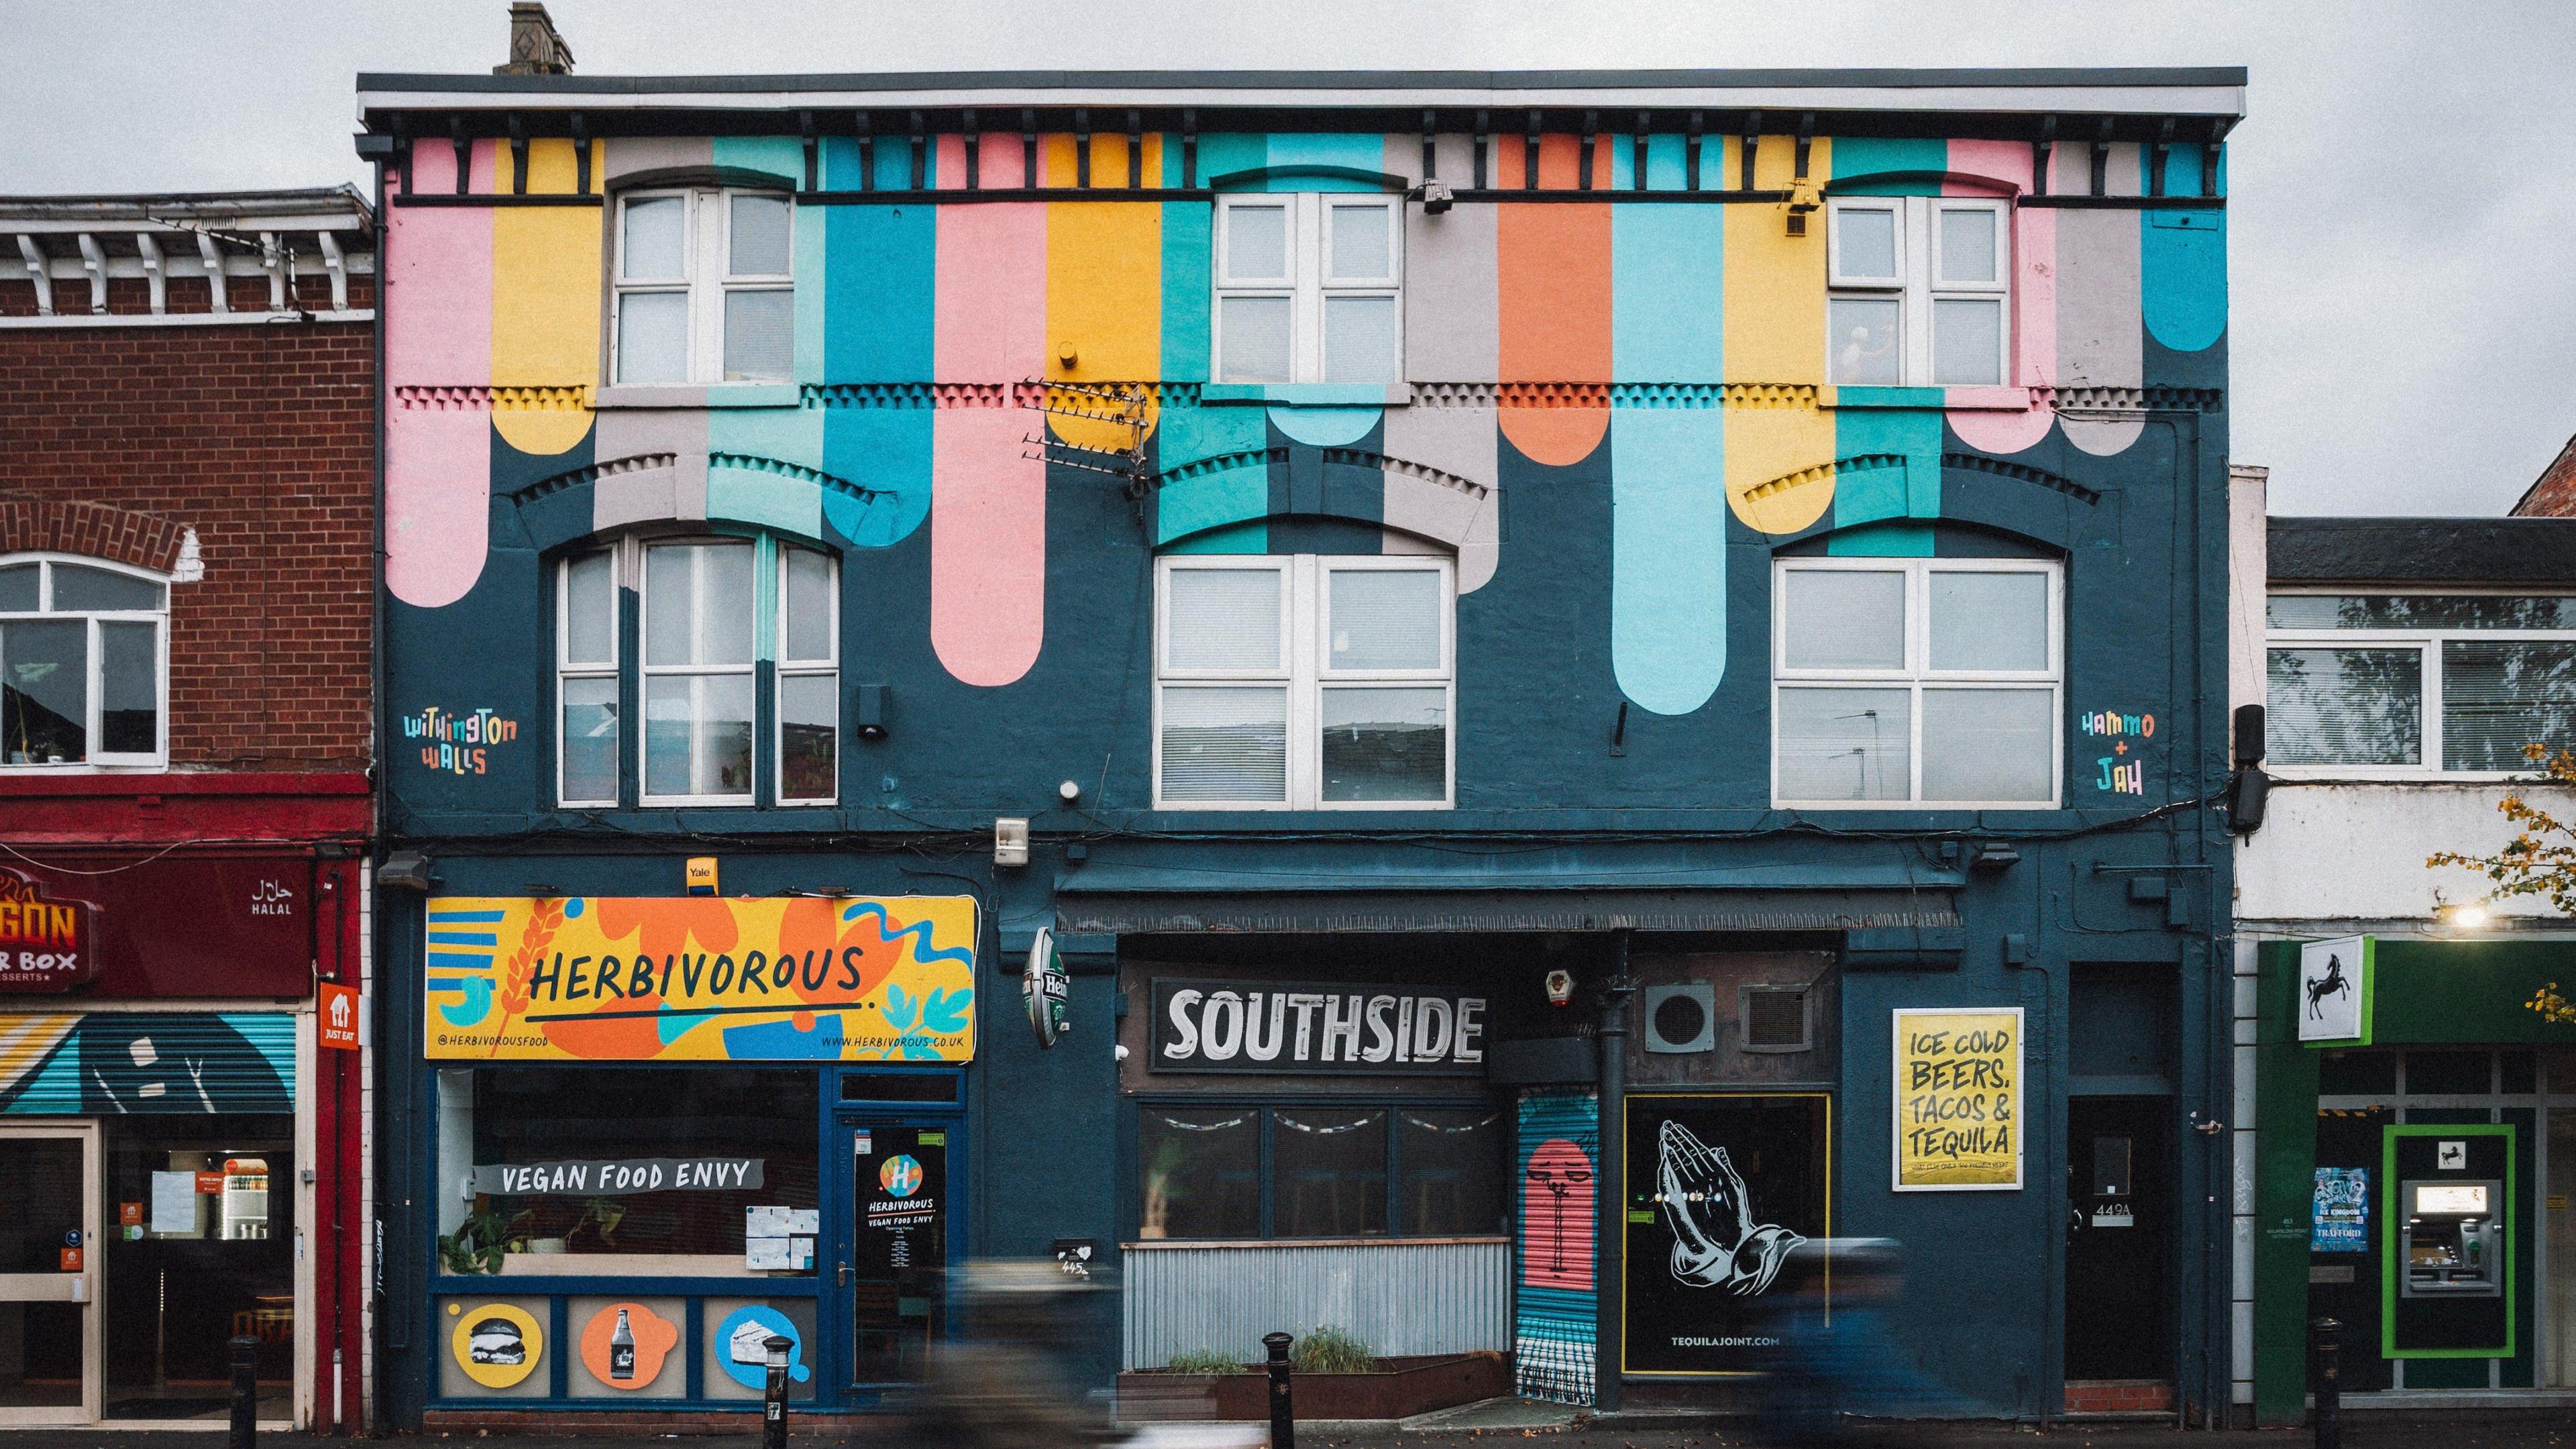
(898, 1246)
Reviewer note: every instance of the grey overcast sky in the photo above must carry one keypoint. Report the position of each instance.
(2403, 196)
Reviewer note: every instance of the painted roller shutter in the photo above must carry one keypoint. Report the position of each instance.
(75, 1064)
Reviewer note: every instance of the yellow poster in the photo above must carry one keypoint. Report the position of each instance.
(701, 978)
(1958, 1098)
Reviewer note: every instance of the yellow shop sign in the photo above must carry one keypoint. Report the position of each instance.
(700, 978)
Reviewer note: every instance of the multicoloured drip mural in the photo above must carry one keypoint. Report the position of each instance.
(1552, 1337)
(1677, 349)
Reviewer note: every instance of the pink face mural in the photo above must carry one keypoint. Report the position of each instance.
(1556, 1207)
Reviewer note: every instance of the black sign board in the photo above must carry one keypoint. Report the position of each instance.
(1719, 1191)
(1317, 1028)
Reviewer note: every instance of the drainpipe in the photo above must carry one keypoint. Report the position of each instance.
(1610, 1189)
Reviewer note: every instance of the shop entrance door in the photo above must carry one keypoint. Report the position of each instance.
(49, 1324)
(895, 1249)
(2119, 1235)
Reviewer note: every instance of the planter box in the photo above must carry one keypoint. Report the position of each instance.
(1399, 1389)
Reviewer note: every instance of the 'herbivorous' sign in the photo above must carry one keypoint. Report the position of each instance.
(697, 978)
(1958, 1099)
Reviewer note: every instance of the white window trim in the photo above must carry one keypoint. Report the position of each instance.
(2427, 642)
(1919, 284)
(646, 671)
(1918, 673)
(102, 761)
(783, 669)
(706, 280)
(567, 669)
(1305, 602)
(1309, 282)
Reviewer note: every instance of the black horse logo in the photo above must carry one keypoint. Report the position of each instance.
(2333, 983)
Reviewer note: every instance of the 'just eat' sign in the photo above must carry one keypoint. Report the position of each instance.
(44, 943)
(1317, 1028)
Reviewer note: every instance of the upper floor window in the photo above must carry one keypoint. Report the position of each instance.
(696, 673)
(1916, 681)
(2414, 684)
(83, 676)
(1921, 291)
(706, 287)
(1309, 288)
(1304, 683)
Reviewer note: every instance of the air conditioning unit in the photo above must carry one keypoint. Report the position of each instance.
(1775, 1018)
(1681, 1018)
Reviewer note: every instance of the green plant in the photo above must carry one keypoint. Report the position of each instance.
(1206, 1361)
(480, 1242)
(1329, 1349)
(606, 1213)
(2540, 860)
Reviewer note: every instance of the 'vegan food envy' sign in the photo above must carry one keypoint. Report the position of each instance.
(634, 1174)
(1317, 1028)
(44, 944)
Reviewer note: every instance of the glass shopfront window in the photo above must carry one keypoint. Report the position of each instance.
(661, 1170)
(1320, 1169)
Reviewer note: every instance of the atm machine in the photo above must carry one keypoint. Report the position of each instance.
(2450, 1248)
(2454, 1238)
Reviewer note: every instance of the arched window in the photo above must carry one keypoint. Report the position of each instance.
(83, 677)
(692, 665)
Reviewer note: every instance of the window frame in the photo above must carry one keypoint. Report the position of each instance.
(1305, 603)
(94, 685)
(1917, 673)
(632, 671)
(706, 280)
(783, 669)
(1265, 1186)
(1310, 284)
(1919, 284)
(614, 671)
(2427, 642)
(646, 671)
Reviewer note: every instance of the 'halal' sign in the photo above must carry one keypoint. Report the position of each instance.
(44, 943)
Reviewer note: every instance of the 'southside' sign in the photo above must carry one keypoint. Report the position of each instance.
(1316, 1028)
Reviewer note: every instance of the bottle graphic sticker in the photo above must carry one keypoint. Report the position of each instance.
(621, 1349)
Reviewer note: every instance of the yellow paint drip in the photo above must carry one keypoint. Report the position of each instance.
(1775, 338)
(545, 306)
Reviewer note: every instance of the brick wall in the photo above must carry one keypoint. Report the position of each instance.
(258, 436)
(2553, 493)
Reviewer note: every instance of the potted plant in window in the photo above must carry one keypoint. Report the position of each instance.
(481, 1241)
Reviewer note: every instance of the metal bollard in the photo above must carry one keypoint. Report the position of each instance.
(773, 1396)
(2327, 1335)
(1283, 1420)
(245, 1391)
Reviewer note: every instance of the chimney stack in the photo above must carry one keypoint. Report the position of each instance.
(536, 47)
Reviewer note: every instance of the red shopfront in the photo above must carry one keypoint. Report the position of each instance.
(181, 1149)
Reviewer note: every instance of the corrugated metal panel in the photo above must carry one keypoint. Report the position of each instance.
(87, 1063)
(1398, 1297)
(1680, 910)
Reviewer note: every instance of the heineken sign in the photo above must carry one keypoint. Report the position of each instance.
(1317, 1028)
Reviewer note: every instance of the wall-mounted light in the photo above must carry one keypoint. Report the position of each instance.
(2467, 916)
(1069, 792)
(868, 711)
(405, 870)
(1435, 196)
(1994, 856)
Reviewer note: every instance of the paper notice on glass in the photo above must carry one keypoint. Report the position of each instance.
(174, 1202)
(765, 1254)
(764, 1222)
(805, 1222)
(800, 1253)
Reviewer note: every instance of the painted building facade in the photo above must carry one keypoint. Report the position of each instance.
(2407, 1145)
(1536, 657)
(186, 517)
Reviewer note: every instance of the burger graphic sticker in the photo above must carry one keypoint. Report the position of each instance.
(496, 1344)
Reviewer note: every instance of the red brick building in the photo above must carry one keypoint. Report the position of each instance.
(2553, 493)
(187, 537)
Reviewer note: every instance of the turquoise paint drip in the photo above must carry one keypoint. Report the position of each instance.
(1667, 293)
(1187, 260)
(885, 450)
(1857, 158)
(1191, 505)
(2182, 277)
(881, 280)
(782, 157)
(1668, 161)
(1364, 152)
(1668, 556)
(1885, 494)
